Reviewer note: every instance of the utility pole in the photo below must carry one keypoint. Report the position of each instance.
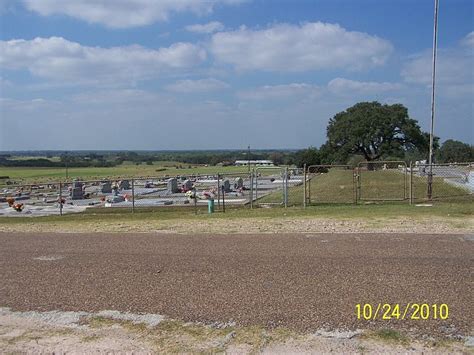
(433, 80)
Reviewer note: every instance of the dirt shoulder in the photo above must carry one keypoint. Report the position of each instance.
(80, 332)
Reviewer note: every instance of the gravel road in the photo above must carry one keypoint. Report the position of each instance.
(304, 282)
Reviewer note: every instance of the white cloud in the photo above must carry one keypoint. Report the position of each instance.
(195, 86)
(114, 97)
(277, 92)
(343, 86)
(309, 46)
(4, 83)
(454, 65)
(123, 13)
(210, 27)
(468, 40)
(451, 68)
(59, 59)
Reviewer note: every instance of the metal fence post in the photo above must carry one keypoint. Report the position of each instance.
(405, 182)
(354, 185)
(133, 195)
(60, 199)
(304, 186)
(309, 185)
(358, 184)
(430, 183)
(283, 186)
(411, 183)
(251, 189)
(195, 201)
(286, 187)
(256, 183)
(219, 191)
(223, 199)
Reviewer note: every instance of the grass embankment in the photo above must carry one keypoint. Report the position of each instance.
(337, 186)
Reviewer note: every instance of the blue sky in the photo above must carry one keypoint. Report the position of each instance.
(210, 74)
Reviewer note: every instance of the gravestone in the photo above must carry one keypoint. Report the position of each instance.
(172, 186)
(187, 185)
(239, 183)
(226, 185)
(106, 187)
(77, 192)
(124, 185)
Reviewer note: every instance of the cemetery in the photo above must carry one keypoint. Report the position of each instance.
(185, 190)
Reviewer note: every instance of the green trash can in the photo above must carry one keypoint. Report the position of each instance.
(210, 205)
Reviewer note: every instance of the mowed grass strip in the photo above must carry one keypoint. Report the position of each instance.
(447, 210)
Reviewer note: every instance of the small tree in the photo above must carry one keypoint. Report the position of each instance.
(375, 131)
(455, 152)
(309, 156)
(276, 157)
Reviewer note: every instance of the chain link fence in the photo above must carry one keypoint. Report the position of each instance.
(386, 181)
(442, 182)
(277, 186)
(258, 187)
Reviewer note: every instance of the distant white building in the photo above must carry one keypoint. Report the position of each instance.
(254, 162)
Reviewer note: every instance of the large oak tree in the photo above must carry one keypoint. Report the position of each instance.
(375, 131)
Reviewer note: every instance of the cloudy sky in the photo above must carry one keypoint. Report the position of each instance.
(210, 74)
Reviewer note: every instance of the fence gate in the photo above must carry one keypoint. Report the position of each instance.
(382, 181)
(329, 184)
(269, 186)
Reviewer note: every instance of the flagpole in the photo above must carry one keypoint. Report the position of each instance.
(433, 80)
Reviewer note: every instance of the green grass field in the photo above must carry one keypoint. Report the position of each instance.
(337, 186)
(126, 170)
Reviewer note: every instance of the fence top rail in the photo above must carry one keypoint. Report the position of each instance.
(382, 162)
(272, 167)
(246, 173)
(330, 166)
(449, 164)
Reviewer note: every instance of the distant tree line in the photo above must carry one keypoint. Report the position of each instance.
(75, 162)
(367, 131)
(110, 159)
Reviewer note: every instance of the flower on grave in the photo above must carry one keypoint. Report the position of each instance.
(190, 194)
(10, 201)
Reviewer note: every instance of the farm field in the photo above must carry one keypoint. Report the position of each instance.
(127, 170)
